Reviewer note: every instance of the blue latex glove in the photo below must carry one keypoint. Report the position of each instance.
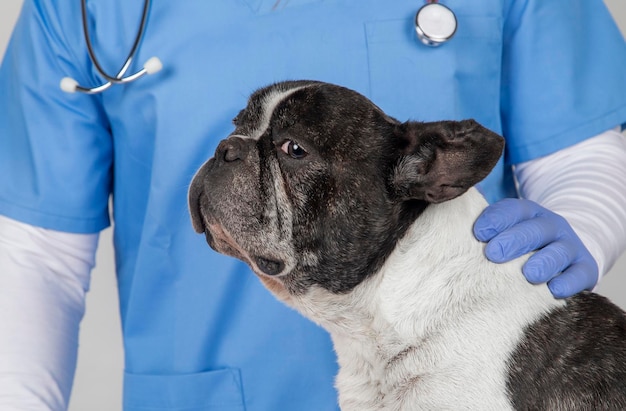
(514, 227)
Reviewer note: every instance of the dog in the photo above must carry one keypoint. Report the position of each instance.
(364, 224)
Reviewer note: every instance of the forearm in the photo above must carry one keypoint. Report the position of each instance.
(43, 282)
(586, 184)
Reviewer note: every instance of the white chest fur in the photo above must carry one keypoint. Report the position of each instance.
(435, 327)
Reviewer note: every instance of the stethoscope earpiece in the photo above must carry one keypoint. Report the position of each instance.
(435, 24)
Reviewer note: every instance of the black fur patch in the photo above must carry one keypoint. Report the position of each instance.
(572, 359)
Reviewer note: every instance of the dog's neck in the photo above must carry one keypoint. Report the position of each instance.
(436, 274)
(436, 305)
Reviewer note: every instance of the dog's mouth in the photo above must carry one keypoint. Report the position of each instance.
(222, 242)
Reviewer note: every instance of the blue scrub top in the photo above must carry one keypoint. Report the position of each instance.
(200, 332)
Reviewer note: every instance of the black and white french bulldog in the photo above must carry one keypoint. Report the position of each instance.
(364, 225)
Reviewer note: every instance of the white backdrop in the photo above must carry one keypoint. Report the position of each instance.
(98, 382)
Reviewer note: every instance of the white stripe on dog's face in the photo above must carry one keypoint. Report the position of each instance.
(275, 209)
(268, 104)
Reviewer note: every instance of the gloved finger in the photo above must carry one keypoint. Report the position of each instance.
(548, 262)
(522, 238)
(502, 215)
(578, 277)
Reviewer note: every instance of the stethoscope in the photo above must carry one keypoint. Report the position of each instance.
(435, 24)
(151, 66)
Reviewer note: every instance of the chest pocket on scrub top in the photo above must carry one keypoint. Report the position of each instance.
(459, 79)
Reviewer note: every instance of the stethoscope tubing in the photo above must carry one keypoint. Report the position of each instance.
(119, 78)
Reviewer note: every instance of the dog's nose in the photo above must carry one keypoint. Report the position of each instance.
(231, 149)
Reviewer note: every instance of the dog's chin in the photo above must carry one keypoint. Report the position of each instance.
(267, 266)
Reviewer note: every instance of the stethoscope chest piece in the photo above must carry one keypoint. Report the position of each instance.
(435, 24)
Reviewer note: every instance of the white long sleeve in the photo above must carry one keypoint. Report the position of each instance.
(44, 276)
(586, 184)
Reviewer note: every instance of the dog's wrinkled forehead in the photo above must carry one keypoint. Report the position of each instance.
(253, 121)
(313, 101)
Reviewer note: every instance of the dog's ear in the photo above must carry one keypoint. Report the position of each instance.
(442, 160)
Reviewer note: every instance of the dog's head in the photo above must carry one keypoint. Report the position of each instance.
(316, 184)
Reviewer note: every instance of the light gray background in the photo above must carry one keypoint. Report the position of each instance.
(98, 382)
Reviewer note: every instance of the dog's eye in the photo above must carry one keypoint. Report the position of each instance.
(293, 149)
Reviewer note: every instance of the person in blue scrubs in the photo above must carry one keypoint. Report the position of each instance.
(200, 332)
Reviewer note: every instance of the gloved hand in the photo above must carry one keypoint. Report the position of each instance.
(514, 227)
